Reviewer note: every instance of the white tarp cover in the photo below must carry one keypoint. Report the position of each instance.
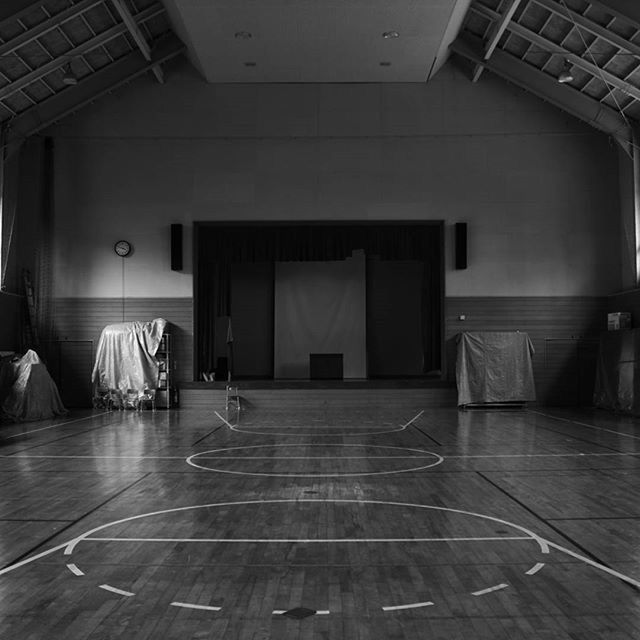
(494, 366)
(33, 394)
(125, 356)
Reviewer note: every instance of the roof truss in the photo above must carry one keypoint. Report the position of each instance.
(49, 49)
(598, 39)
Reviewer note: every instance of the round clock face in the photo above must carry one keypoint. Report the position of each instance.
(122, 248)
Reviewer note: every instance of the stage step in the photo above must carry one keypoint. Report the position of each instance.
(215, 399)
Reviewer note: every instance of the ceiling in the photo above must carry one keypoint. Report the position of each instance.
(311, 41)
(58, 55)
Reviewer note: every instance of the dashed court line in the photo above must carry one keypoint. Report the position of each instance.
(280, 612)
(200, 607)
(496, 587)
(415, 605)
(120, 592)
(74, 569)
(536, 567)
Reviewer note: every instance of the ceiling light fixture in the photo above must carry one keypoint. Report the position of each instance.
(68, 77)
(387, 35)
(565, 75)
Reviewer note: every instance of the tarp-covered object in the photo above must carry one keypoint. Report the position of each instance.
(125, 356)
(33, 394)
(617, 384)
(494, 366)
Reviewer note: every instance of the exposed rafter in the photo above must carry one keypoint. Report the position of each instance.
(58, 55)
(98, 84)
(81, 50)
(547, 45)
(137, 36)
(544, 86)
(54, 22)
(498, 29)
(627, 10)
(590, 26)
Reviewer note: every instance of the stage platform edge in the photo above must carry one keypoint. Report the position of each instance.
(282, 394)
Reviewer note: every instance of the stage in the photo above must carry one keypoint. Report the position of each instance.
(269, 393)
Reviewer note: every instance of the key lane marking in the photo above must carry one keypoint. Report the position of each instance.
(191, 460)
(309, 431)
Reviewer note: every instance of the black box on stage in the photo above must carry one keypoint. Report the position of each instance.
(325, 366)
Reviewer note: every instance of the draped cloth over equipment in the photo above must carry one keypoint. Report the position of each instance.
(125, 356)
(32, 394)
(617, 383)
(494, 367)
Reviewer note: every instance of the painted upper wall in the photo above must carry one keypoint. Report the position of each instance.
(537, 188)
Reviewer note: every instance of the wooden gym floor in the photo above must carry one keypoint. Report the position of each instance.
(357, 523)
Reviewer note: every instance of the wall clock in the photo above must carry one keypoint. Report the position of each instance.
(122, 248)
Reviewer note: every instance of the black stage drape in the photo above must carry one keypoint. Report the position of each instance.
(217, 246)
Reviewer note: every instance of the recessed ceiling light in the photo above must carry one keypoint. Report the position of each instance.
(243, 35)
(385, 64)
(249, 64)
(390, 34)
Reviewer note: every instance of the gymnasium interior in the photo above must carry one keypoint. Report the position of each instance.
(317, 319)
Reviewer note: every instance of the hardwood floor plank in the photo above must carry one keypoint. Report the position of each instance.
(327, 507)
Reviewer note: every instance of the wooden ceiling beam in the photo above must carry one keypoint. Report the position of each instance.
(99, 40)
(602, 74)
(497, 30)
(588, 25)
(545, 87)
(96, 85)
(137, 36)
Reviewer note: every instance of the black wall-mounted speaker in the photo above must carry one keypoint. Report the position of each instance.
(176, 247)
(461, 245)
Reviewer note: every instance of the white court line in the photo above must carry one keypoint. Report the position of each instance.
(17, 565)
(593, 563)
(201, 607)
(312, 457)
(99, 457)
(191, 460)
(541, 455)
(60, 424)
(535, 568)
(308, 540)
(74, 543)
(483, 592)
(544, 544)
(408, 606)
(74, 569)
(505, 455)
(315, 426)
(279, 612)
(342, 430)
(584, 424)
(120, 592)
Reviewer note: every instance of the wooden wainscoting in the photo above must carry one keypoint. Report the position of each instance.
(82, 319)
(562, 330)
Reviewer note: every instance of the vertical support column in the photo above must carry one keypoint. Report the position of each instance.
(629, 214)
(635, 140)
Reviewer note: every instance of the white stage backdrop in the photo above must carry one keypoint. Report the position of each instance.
(320, 307)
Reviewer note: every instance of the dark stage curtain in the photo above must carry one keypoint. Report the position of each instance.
(218, 246)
